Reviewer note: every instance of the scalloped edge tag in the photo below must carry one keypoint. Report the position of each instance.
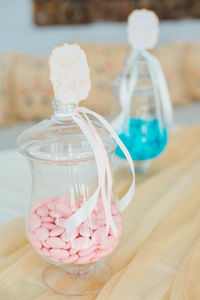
(143, 29)
(69, 74)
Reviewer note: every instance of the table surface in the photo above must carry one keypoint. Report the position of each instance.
(158, 254)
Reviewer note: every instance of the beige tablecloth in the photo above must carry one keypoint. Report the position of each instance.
(158, 256)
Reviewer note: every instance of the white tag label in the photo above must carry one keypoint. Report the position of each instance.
(143, 29)
(69, 74)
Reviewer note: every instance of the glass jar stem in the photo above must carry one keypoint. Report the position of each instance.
(79, 270)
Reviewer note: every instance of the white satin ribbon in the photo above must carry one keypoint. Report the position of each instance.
(160, 80)
(105, 197)
(104, 173)
(124, 202)
(127, 87)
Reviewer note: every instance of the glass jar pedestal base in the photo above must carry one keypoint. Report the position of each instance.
(77, 280)
(141, 166)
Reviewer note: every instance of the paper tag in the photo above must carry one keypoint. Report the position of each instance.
(69, 74)
(143, 29)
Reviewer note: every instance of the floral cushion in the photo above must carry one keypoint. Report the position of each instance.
(26, 92)
(7, 115)
(105, 62)
(193, 70)
(32, 88)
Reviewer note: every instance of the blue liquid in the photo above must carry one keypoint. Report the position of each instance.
(144, 140)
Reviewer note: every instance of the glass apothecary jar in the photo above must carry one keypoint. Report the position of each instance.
(64, 177)
(142, 127)
(141, 88)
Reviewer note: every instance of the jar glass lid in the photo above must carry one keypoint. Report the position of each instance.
(59, 139)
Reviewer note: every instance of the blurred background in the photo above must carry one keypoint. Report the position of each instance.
(30, 29)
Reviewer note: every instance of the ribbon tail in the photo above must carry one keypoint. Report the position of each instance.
(127, 86)
(157, 95)
(166, 96)
(106, 198)
(126, 199)
(164, 91)
(82, 213)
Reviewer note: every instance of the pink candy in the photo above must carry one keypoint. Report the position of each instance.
(86, 244)
(103, 253)
(51, 205)
(57, 232)
(34, 241)
(99, 235)
(72, 251)
(43, 211)
(86, 258)
(34, 221)
(60, 222)
(81, 243)
(114, 210)
(70, 259)
(119, 230)
(69, 237)
(55, 242)
(57, 260)
(49, 226)
(42, 234)
(109, 243)
(65, 199)
(47, 220)
(93, 221)
(101, 214)
(85, 230)
(61, 208)
(59, 253)
(55, 214)
(45, 252)
(87, 251)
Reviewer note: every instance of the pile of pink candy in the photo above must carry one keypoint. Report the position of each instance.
(87, 244)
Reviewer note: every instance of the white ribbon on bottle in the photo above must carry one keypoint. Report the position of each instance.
(79, 115)
(128, 84)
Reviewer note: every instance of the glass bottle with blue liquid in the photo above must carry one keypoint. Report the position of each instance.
(146, 111)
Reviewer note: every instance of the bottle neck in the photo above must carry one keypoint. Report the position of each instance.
(62, 111)
(141, 65)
